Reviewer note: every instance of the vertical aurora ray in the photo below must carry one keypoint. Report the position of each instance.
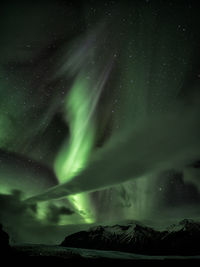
(80, 105)
(74, 154)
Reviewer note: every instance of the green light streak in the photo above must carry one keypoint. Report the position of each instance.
(74, 155)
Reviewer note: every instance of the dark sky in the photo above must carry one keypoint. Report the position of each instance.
(100, 97)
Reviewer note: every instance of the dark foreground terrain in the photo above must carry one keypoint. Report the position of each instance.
(131, 243)
(79, 253)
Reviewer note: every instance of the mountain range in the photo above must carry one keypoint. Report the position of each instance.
(178, 239)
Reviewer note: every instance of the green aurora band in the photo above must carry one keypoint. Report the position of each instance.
(75, 153)
(79, 113)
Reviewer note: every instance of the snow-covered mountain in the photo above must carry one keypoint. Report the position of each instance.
(178, 239)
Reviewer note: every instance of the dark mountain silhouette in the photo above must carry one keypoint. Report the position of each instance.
(4, 242)
(178, 239)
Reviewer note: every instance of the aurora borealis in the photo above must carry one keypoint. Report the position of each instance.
(99, 114)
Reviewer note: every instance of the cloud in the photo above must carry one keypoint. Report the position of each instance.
(54, 213)
(21, 220)
(192, 176)
(162, 142)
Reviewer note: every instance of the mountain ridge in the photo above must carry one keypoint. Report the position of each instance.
(177, 239)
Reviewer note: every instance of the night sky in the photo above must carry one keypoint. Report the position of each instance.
(100, 108)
